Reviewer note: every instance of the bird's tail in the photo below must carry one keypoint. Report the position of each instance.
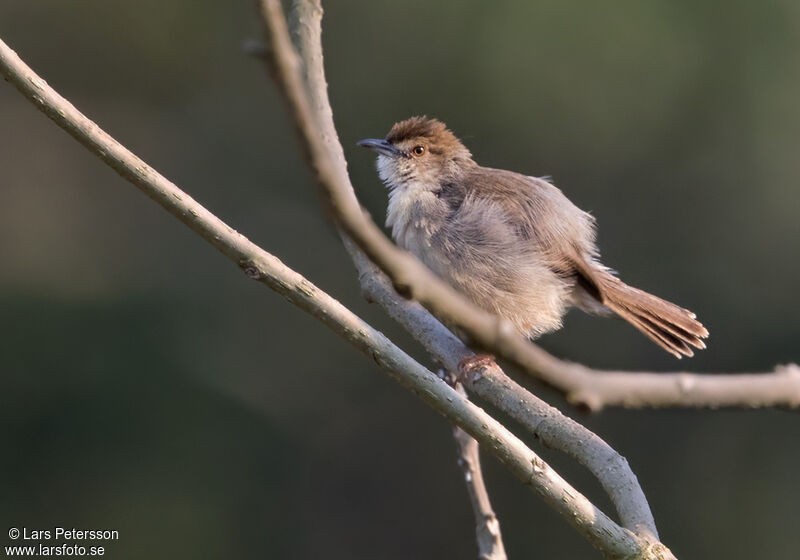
(673, 328)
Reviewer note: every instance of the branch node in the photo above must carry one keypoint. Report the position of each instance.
(250, 269)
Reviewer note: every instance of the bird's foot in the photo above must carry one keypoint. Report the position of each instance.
(474, 366)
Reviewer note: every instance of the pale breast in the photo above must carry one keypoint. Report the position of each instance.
(474, 248)
(414, 216)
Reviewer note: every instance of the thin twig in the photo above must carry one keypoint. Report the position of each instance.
(613, 540)
(595, 389)
(487, 527)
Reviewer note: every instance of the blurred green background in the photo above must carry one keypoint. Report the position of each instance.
(147, 386)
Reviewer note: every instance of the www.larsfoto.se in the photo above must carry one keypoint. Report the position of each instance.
(60, 550)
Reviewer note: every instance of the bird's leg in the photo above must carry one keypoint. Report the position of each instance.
(474, 365)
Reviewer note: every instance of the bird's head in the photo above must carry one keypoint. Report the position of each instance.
(418, 150)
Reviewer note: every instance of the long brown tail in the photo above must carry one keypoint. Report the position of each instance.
(673, 328)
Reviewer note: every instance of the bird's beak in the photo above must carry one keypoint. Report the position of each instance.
(379, 145)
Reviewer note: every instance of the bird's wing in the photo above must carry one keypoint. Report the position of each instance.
(562, 233)
(564, 236)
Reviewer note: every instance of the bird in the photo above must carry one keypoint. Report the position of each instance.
(513, 244)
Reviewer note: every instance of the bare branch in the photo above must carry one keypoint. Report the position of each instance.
(595, 389)
(593, 524)
(487, 526)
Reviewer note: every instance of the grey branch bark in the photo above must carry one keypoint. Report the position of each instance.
(614, 541)
(595, 389)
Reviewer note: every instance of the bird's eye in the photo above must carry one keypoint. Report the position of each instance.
(418, 150)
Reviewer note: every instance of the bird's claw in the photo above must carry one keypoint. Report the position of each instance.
(473, 365)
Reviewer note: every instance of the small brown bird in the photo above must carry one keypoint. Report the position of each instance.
(513, 244)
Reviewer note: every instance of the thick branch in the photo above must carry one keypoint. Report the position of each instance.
(614, 541)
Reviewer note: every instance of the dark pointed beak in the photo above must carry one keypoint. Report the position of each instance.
(379, 145)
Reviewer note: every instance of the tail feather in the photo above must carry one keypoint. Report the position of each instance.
(673, 328)
(669, 342)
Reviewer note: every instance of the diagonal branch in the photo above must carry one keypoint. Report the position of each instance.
(613, 540)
